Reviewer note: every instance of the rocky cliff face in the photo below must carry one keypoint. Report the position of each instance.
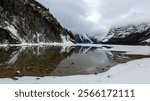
(130, 35)
(27, 21)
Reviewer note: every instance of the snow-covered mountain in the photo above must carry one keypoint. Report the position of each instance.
(130, 34)
(85, 38)
(27, 21)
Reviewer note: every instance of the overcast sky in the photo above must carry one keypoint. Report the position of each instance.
(97, 16)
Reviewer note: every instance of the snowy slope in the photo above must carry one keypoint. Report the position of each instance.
(85, 38)
(130, 34)
(27, 21)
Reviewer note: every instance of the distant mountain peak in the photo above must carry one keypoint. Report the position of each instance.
(85, 38)
(130, 34)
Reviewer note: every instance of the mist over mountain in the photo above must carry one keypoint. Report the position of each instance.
(98, 16)
(27, 21)
(88, 39)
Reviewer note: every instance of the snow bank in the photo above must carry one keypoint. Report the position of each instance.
(130, 50)
(136, 71)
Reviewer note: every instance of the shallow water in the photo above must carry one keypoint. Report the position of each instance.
(43, 61)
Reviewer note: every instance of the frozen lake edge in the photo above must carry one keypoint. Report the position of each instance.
(136, 71)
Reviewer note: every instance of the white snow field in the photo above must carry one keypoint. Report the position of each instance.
(136, 71)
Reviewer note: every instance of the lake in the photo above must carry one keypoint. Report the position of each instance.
(40, 61)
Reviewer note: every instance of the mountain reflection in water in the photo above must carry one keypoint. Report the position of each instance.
(57, 61)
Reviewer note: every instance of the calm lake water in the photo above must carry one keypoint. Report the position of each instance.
(58, 61)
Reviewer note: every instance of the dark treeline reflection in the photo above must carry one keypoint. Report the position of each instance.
(57, 61)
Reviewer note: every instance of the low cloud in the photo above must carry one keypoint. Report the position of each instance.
(98, 16)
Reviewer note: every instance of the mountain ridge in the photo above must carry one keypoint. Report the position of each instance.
(86, 38)
(129, 35)
(27, 21)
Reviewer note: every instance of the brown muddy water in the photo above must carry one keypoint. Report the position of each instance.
(58, 61)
